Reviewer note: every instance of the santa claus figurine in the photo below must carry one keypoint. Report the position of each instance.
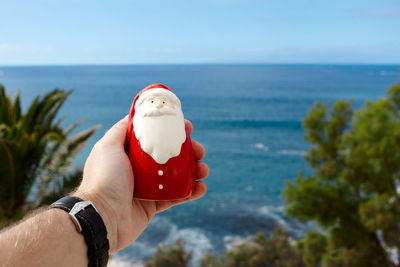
(159, 146)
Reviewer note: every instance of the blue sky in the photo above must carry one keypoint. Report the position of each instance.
(48, 32)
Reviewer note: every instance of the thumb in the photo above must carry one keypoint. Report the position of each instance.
(117, 133)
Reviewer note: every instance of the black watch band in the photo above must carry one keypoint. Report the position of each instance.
(89, 223)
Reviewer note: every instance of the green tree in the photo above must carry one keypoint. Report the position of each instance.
(273, 251)
(35, 153)
(312, 248)
(353, 191)
(170, 256)
(210, 260)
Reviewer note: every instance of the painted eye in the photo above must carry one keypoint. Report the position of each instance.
(163, 102)
(152, 101)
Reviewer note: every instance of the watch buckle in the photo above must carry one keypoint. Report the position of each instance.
(79, 206)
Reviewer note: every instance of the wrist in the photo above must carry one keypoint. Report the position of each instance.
(76, 242)
(107, 214)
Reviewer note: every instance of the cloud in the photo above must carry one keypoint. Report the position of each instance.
(382, 12)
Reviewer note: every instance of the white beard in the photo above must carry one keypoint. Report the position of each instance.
(161, 132)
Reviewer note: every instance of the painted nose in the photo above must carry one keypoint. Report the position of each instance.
(158, 104)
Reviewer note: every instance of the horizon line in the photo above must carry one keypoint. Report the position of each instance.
(199, 64)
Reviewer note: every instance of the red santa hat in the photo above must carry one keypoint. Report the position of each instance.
(138, 97)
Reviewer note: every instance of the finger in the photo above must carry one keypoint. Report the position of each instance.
(189, 126)
(202, 170)
(117, 133)
(164, 205)
(199, 191)
(199, 151)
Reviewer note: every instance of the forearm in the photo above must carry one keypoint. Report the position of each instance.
(48, 238)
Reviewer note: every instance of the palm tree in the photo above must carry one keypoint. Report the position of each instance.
(35, 153)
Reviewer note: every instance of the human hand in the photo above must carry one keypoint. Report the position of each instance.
(108, 182)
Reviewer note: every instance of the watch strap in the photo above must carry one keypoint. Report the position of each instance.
(92, 228)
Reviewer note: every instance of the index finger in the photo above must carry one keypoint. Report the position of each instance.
(117, 133)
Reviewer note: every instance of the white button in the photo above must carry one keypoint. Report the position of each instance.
(160, 186)
(160, 172)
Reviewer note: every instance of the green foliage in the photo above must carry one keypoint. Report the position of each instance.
(352, 193)
(246, 254)
(35, 153)
(170, 256)
(210, 260)
(274, 251)
(312, 248)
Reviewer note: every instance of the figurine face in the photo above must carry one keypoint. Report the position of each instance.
(158, 102)
(159, 125)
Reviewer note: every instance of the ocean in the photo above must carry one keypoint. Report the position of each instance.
(248, 117)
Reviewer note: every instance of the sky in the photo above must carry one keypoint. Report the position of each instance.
(74, 32)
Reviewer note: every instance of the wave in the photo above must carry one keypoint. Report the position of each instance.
(288, 152)
(293, 152)
(163, 231)
(387, 73)
(250, 218)
(194, 239)
(232, 241)
(277, 214)
(123, 261)
(274, 213)
(261, 146)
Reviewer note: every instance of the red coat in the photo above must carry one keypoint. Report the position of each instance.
(153, 181)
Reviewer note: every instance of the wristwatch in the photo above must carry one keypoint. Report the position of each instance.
(88, 222)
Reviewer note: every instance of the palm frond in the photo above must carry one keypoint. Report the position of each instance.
(73, 126)
(17, 107)
(62, 160)
(7, 178)
(35, 151)
(6, 108)
(67, 184)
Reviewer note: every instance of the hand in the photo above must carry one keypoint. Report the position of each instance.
(108, 182)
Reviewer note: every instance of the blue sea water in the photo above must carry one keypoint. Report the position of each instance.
(248, 117)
